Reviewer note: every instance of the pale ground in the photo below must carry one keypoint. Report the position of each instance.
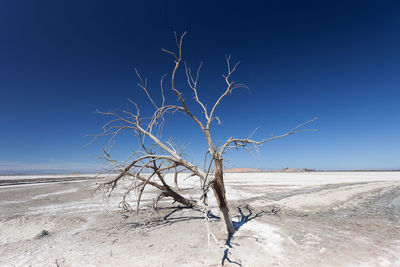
(283, 219)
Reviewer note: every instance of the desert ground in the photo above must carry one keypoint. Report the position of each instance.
(282, 219)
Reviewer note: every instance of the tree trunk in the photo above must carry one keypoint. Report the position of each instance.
(219, 192)
(176, 180)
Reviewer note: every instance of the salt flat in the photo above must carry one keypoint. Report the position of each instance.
(283, 219)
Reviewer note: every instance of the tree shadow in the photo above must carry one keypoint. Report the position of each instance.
(167, 217)
(170, 216)
(243, 219)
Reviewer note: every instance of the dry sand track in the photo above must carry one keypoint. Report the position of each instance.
(283, 219)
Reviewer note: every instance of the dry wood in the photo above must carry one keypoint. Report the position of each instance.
(149, 165)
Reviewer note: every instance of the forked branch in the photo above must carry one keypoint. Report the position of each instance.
(233, 143)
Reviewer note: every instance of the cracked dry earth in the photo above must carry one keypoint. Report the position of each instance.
(282, 219)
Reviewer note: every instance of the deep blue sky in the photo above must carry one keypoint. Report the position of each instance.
(335, 60)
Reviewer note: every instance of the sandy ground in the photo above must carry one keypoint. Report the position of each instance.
(282, 219)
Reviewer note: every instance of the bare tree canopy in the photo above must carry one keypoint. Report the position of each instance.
(156, 157)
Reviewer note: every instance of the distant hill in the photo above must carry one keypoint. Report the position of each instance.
(242, 170)
(254, 170)
(290, 170)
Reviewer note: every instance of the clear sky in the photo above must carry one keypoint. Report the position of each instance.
(335, 60)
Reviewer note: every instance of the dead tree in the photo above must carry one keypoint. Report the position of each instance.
(149, 165)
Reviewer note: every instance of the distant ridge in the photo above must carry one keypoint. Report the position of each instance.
(255, 170)
(242, 170)
(289, 170)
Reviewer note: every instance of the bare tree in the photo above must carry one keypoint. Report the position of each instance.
(149, 165)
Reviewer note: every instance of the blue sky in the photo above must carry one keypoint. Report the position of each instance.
(337, 60)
